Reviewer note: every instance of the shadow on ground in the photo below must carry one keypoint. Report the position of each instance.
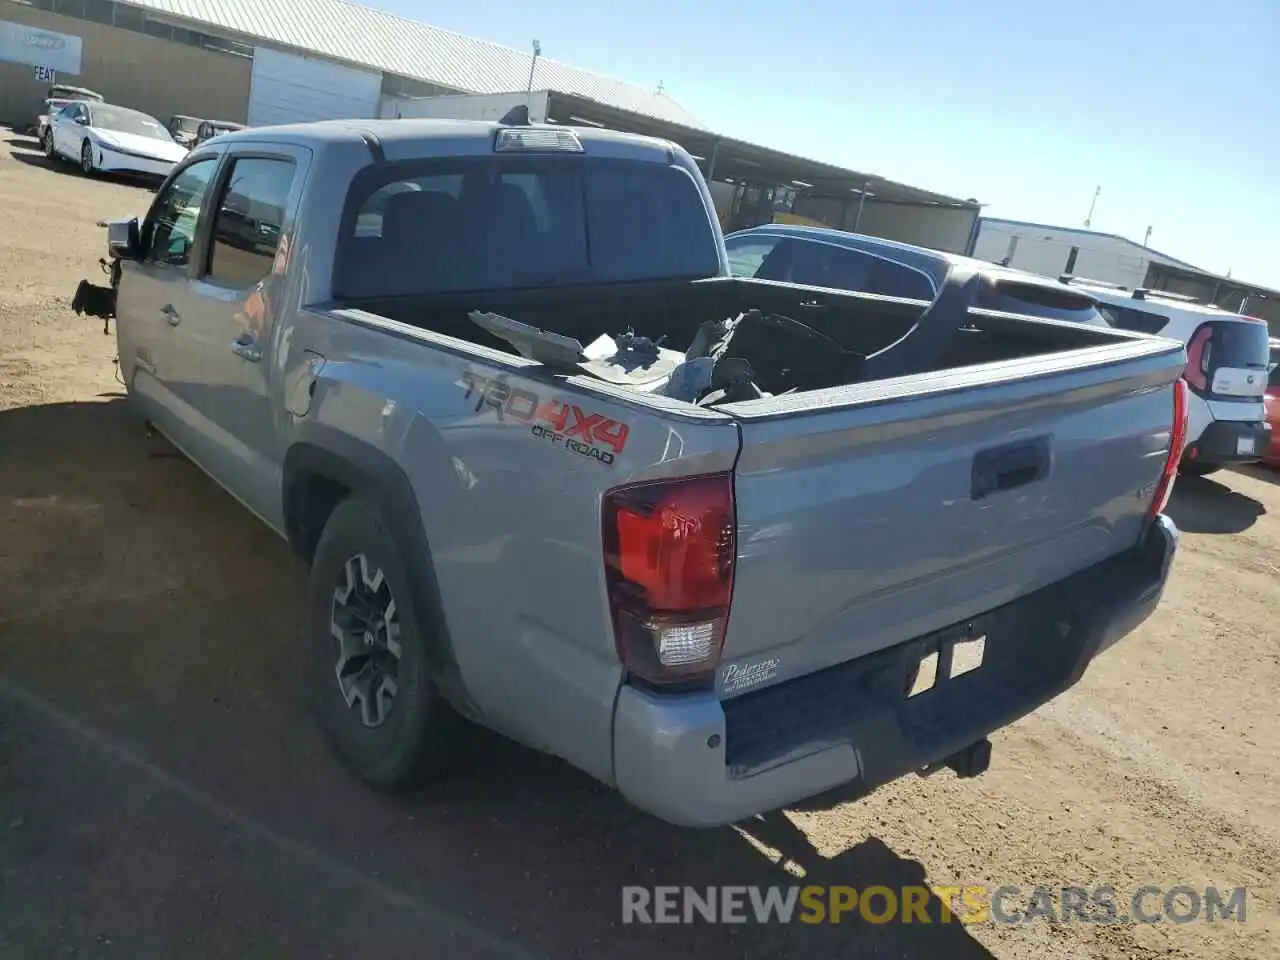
(29, 151)
(167, 791)
(1203, 505)
(30, 144)
(36, 158)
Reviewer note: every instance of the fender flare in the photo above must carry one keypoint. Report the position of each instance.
(322, 451)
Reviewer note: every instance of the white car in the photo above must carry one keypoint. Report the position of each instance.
(1226, 372)
(105, 138)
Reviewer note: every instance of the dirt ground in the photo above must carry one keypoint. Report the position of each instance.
(163, 792)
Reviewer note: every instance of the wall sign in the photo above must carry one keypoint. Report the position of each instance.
(46, 75)
(20, 43)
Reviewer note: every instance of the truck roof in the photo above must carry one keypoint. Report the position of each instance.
(410, 138)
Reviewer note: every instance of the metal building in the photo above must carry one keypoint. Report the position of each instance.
(266, 61)
(301, 60)
(1054, 251)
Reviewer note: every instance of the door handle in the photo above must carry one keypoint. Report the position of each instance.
(1009, 467)
(171, 315)
(246, 349)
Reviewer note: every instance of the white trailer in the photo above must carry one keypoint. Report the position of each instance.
(1054, 251)
(467, 106)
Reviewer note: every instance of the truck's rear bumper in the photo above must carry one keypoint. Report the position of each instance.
(695, 761)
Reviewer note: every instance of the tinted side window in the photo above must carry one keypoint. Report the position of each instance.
(250, 218)
(891, 279)
(1126, 318)
(821, 265)
(825, 265)
(175, 214)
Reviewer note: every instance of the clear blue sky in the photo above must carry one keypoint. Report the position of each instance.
(1172, 106)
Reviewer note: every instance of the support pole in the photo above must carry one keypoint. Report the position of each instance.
(862, 199)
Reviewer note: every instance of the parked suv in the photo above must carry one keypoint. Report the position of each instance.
(1227, 362)
(823, 257)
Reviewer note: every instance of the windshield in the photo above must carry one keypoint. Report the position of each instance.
(507, 222)
(127, 121)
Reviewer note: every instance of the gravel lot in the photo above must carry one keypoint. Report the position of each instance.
(163, 792)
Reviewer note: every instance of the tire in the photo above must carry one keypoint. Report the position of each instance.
(47, 142)
(1198, 469)
(388, 742)
(86, 158)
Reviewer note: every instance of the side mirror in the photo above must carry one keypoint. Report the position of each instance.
(124, 239)
(82, 121)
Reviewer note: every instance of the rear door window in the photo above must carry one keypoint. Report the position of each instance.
(827, 265)
(513, 222)
(246, 231)
(822, 265)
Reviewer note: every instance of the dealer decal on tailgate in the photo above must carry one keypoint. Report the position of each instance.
(590, 435)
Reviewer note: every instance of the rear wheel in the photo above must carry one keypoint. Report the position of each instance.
(1194, 469)
(373, 693)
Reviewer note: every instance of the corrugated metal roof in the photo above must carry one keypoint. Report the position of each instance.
(384, 41)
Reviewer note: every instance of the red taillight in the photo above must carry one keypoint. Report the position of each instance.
(1177, 440)
(1197, 368)
(669, 548)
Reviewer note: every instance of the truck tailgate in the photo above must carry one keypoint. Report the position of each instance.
(874, 514)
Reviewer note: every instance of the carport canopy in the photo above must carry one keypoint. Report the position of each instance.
(728, 159)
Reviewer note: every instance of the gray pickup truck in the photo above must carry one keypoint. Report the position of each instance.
(723, 543)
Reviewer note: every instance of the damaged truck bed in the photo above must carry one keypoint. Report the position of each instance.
(556, 472)
(840, 340)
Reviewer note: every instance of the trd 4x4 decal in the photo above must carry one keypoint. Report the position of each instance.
(586, 434)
